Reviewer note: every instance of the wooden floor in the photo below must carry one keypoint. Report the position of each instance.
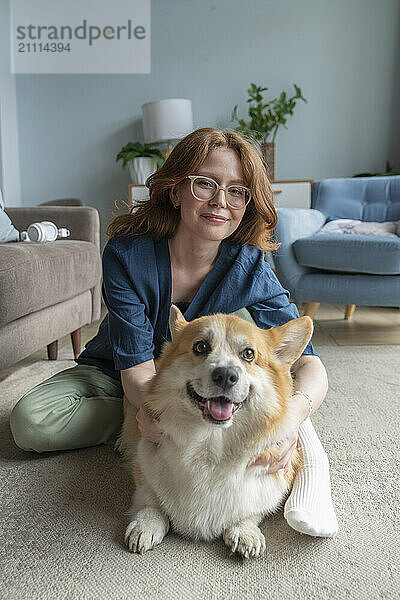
(369, 326)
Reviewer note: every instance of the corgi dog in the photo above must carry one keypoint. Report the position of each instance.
(222, 396)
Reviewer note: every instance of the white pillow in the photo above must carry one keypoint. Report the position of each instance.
(352, 226)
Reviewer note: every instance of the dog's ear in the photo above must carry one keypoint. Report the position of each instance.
(289, 340)
(176, 320)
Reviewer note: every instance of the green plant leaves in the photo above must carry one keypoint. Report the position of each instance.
(137, 149)
(266, 117)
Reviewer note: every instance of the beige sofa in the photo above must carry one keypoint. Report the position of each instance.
(49, 290)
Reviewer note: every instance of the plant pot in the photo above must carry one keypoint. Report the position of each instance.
(141, 168)
(268, 154)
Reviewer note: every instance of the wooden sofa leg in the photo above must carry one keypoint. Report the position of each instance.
(52, 350)
(76, 342)
(310, 309)
(350, 308)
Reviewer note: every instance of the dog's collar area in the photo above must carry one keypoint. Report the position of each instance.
(218, 409)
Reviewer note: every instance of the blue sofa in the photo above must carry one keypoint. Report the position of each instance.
(336, 268)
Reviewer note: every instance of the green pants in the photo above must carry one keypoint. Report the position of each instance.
(76, 408)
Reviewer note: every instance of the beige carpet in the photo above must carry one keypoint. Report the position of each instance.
(63, 520)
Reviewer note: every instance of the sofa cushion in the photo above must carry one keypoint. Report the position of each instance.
(377, 255)
(363, 198)
(37, 275)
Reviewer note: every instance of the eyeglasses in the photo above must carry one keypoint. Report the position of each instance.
(204, 188)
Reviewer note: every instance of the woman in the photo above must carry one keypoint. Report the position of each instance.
(200, 241)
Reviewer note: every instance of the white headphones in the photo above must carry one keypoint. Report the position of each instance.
(44, 231)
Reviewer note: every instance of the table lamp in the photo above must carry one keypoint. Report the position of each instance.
(167, 121)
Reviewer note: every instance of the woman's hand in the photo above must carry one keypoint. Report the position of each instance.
(286, 447)
(283, 457)
(147, 424)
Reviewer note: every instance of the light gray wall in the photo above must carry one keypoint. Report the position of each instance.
(344, 54)
(9, 156)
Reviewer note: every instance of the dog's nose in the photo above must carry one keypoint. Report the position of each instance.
(225, 377)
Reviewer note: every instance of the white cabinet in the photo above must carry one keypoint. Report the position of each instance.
(137, 191)
(292, 194)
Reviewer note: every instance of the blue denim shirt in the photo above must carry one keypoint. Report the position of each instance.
(137, 288)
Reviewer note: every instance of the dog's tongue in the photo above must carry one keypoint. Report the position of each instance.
(220, 409)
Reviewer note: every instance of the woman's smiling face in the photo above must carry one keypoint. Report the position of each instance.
(224, 166)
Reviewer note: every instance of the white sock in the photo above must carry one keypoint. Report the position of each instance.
(309, 508)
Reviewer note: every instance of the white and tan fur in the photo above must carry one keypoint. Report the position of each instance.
(198, 478)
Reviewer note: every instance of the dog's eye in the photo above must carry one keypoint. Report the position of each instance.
(247, 354)
(201, 347)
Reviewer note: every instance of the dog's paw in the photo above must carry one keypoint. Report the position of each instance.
(146, 531)
(245, 538)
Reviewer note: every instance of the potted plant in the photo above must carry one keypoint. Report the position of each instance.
(265, 120)
(389, 171)
(142, 160)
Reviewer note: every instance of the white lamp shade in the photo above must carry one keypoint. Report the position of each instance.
(169, 119)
